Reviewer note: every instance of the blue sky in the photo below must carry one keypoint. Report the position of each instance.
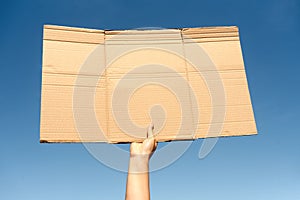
(266, 166)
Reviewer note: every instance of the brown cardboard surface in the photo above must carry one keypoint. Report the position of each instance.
(195, 75)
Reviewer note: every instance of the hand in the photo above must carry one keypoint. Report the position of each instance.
(146, 148)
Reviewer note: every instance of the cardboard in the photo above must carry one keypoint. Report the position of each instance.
(108, 85)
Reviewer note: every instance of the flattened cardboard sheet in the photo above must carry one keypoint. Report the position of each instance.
(108, 85)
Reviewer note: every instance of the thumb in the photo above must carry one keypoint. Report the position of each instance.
(150, 131)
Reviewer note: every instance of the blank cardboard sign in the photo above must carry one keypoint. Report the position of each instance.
(109, 85)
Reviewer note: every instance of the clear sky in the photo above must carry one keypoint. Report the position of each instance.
(266, 166)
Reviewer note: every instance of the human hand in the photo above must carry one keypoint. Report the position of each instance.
(146, 148)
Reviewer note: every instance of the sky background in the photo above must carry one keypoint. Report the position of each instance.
(261, 167)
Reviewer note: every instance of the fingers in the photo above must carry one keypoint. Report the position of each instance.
(150, 138)
(150, 131)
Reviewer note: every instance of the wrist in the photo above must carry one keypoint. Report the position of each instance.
(139, 163)
(140, 156)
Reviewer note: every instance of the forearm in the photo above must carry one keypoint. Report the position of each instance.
(138, 178)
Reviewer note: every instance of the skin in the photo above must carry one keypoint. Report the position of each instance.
(138, 171)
